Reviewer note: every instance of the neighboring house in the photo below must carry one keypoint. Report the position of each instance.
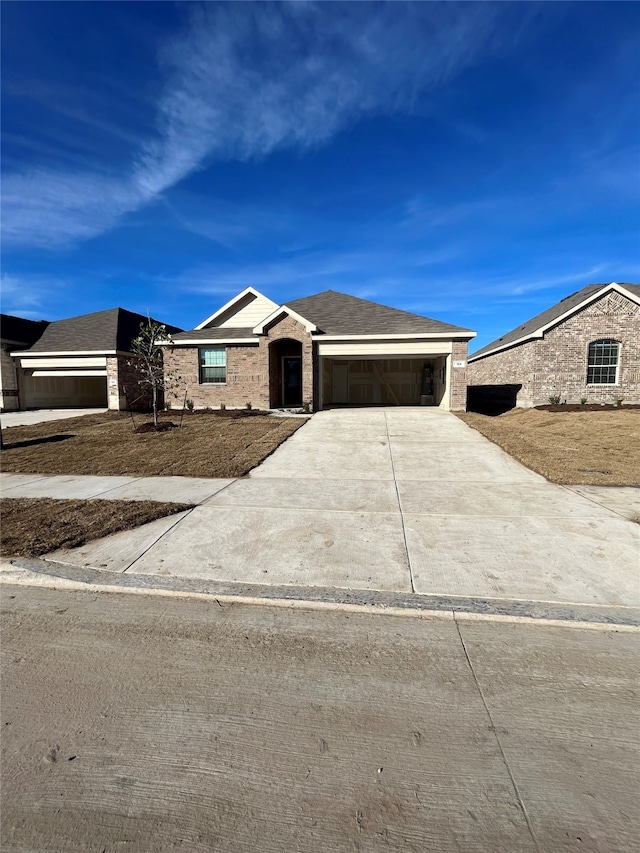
(84, 362)
(324, 350)
(586, 346)
(16, 333)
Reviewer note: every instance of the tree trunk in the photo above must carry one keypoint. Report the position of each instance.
(155, 405)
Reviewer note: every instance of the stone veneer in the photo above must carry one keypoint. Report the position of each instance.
(557, 363)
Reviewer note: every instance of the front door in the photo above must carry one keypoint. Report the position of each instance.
(291, 381)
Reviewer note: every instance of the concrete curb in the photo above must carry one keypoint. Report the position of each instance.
(47, 573)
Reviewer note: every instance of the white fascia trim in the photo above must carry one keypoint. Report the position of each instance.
(211, 342)
(56, 353)
(413, 337)
(283, 309)
(540, 332)
(232, 302)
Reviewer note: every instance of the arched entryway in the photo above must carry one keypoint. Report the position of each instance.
(285, 374)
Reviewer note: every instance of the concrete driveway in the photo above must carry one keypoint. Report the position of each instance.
(38, 416)
(407, 500)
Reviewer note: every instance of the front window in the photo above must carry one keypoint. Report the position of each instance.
(213, 365)
(602, 365)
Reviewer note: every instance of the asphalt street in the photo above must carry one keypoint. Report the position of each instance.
(155, 723)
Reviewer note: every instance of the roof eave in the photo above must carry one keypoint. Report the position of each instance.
(58, 353)
(462, 334)
(284, 309)
(541, 330)
(213, 341)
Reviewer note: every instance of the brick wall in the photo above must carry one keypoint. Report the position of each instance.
(9, 398)
(247, 379)
(509, 367)
(287, 327)
(248, 375)
(120, 374)
(557, 363)
(458, 390)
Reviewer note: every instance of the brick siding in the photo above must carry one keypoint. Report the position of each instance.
(458, 390)
(9, 397)
(122, 375)
(557, 363)
(248, 374)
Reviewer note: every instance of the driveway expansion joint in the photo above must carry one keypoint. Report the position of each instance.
(162, 535)
(395, 485)
(494, 729)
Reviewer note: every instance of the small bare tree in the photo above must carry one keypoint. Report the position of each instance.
(149, 362)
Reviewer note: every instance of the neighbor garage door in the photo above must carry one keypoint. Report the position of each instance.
(57, 392)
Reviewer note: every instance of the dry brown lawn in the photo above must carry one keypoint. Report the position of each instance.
(34, 526)
(207, 445)
(597, 448)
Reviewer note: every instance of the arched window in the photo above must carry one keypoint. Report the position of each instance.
(602, 363)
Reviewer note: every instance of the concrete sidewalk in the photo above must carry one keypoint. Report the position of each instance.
(405, 500)
(166, 489)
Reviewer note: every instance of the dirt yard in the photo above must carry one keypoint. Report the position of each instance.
(207, 445)
(34, 526)
(596, 448)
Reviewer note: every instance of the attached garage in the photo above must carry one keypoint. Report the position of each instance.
(84, 362)
(385, 373)
(368, 354)
(373, 381)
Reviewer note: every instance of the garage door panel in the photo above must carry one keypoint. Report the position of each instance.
(52, 392)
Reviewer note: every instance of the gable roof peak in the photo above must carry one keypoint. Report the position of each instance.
(249, 294)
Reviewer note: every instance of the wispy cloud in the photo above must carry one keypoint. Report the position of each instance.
(243, 80)
(28, 296)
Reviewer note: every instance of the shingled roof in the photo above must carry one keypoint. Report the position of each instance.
(337, 313)
(102, 331)
(19, 330)
(529, 328)
(219, 332)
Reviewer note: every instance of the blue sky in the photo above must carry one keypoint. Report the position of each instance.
(474, 162)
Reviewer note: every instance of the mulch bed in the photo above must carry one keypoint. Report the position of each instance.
(35, 526)
(209, 444)
(587, 407)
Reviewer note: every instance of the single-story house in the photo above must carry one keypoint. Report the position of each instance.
(330, 349)
(16, 333)
(84, 362)
(585, 346)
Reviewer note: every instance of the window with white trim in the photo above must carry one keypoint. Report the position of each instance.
(602, 362)
(213, 365)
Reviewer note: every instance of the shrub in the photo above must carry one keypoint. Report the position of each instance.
(189, 405)
(554, 399)
(618, 402)
(223, 407)
(249, 406)
(583, 401)
(306, 407)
